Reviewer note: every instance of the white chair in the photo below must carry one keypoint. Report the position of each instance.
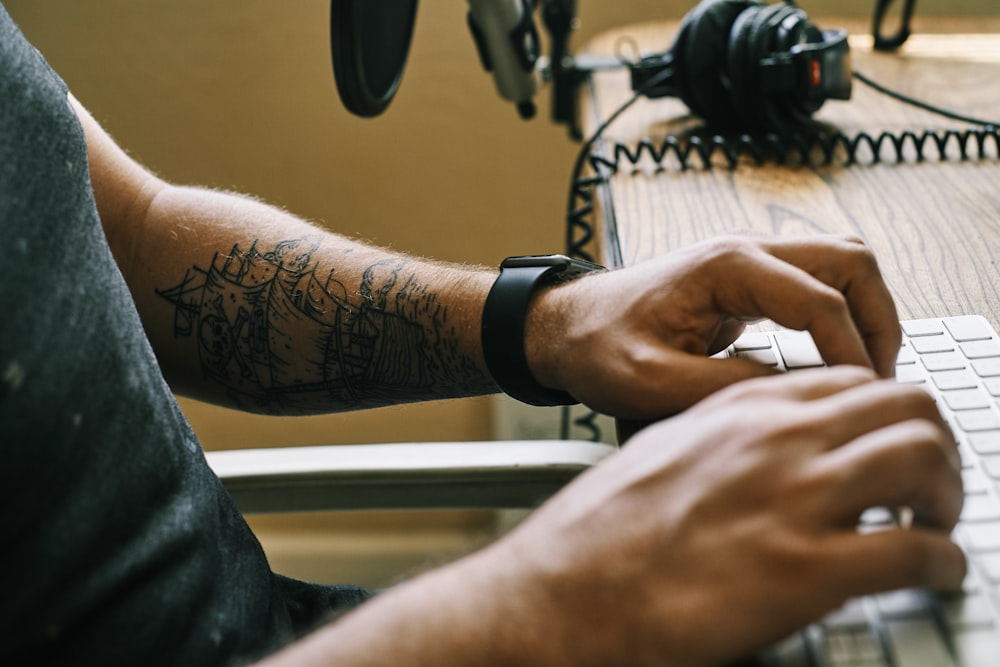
(481, 474)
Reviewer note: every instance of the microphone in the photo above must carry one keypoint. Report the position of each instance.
(508, 46)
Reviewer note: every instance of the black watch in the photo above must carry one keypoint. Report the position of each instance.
(504, 317)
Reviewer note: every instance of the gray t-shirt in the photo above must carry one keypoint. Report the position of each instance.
(119, 544)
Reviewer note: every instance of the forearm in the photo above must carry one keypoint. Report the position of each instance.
(477, 611)
(249, 306)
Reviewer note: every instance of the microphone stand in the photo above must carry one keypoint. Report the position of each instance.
(565, 71)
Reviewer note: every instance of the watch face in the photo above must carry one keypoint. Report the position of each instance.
(561, 263)
(535, 260)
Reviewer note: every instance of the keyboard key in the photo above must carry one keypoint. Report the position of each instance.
(989, 566)
(855, 647)
(790, 652)
(987, 442)
(977, 647)
(797, 349)
(906, 355)
(977, 420)
(910, 374)
(754, 340)
(968, 611)
(968, 327)
(992, 386)
(918, 642)
(905, 603)
(986, 367)
(975, 482)
(948, 380)
(966, 455)
(840, 647)
(966, 399)
(971, 584)
(852, 614)
(981, 349)
(927, 344)
(914, 328)
(991, 464)
(981, 537)
(764, 357)
(877, 517)
(982, 507)
(944, 361)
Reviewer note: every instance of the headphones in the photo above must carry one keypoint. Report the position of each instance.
(748, 66)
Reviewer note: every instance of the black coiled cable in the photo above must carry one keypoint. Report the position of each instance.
(816, 150)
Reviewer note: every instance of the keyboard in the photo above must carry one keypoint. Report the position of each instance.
(956, 360)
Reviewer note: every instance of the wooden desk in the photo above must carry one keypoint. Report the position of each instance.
(934, 225)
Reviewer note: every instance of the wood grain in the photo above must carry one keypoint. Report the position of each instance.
(933, 224)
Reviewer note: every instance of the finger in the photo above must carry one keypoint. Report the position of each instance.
(852, 414)
(776, 289)
(909, 464)
(728, 332)
(814, 383)
(805, 385)
(847, 265)
(892, 559)
(662, 395)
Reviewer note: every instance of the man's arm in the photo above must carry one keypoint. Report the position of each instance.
(250, 306)
(740, 516)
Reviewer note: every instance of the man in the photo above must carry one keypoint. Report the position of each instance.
(738, 515)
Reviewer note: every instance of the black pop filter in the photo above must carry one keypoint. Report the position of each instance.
(369, 41)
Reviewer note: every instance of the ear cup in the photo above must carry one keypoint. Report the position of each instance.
(701, 46)
(756, 35)
(747, 43)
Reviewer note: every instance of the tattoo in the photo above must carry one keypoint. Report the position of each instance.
(282, 338)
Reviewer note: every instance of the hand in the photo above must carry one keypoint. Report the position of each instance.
(723, 530)
(635, 343)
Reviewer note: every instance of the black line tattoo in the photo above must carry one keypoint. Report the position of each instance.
(283, 339)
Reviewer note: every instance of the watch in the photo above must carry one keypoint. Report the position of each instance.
(504, 317)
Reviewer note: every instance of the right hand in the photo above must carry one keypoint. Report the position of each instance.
(635, 343)
(722, 530)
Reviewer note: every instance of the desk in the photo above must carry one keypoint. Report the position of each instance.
(933, 225)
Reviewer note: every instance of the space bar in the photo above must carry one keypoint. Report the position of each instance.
(797, 349)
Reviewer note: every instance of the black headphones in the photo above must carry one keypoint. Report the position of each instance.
(744, 65)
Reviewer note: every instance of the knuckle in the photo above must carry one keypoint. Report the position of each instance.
(859, 253)
(915, 400)
(852, 239)
(729, 247)
(831, 302)
(924, 445)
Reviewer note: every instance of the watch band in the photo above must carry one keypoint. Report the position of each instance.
(504, 318)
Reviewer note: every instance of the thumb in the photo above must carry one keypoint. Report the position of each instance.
(690, 378)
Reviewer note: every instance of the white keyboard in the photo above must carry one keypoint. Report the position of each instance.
(956, 360)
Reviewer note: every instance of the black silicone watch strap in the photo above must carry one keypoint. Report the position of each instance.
(504, 319)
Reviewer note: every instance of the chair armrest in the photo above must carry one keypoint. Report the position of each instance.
(480, 474)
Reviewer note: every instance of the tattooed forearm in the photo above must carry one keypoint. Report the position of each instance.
(283, 334)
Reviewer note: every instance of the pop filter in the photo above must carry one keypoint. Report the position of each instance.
(369, 42)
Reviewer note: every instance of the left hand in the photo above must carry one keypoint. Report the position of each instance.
(635, 343)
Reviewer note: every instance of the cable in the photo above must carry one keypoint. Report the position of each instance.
(920, 104)
(818, 148)
(580, 187)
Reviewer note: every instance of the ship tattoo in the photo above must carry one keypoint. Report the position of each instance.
(282, 338)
